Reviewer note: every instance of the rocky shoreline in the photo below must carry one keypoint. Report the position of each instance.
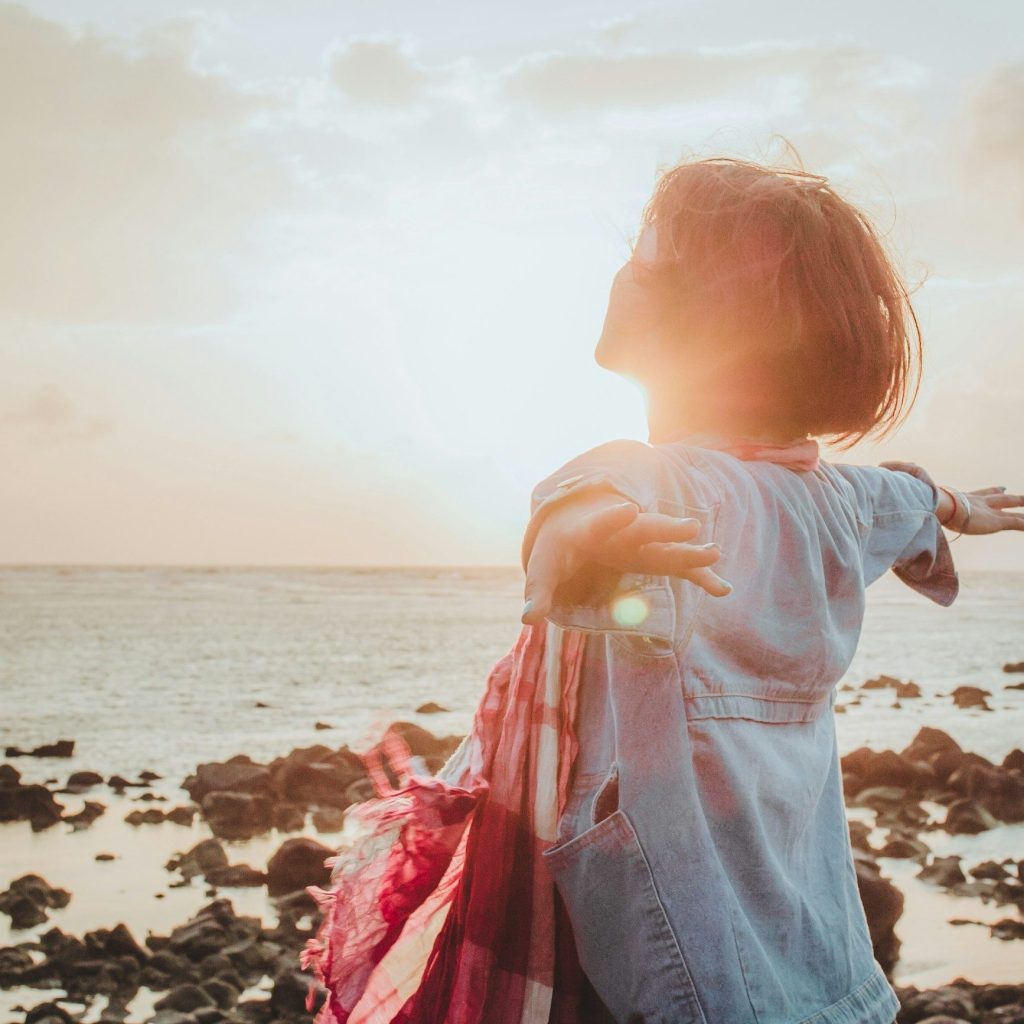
(223, 966)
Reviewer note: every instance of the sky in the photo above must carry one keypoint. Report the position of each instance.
(320, 283)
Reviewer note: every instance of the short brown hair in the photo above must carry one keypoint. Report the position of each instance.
(776, 257)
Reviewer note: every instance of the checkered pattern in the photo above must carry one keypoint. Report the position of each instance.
(442, 911)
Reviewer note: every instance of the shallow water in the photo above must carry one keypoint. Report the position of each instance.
(162, 668)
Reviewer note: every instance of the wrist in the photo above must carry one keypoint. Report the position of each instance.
(953, 510)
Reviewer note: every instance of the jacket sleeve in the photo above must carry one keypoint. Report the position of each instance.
(599, 599)
(900, 530)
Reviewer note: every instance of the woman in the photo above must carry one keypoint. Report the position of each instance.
(703, 855)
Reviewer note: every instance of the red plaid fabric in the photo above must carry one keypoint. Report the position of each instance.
(442, 911)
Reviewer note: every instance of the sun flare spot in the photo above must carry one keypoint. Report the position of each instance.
(629, 610)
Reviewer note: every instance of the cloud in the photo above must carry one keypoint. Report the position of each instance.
(129, 182)
(379, 71)
(998, 111)
(571, 81)
(994, 121)
(49, 417)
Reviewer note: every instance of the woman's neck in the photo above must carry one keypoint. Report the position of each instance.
(669, 418)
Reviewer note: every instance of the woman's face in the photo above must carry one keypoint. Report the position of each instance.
(631, 341)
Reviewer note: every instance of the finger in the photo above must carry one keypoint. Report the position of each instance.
(674, 559)
(988, 490)
(1011, 520)
(619, 549)
(595, 528)
(545, 570)
(656, 526)
(710, 581)
(1005, 501)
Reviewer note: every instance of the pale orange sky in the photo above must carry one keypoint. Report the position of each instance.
(309, 284)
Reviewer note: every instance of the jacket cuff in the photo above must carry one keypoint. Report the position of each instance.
(931, 570)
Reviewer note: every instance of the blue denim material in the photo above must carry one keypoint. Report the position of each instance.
(703, 855)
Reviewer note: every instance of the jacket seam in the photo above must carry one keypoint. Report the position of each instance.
(755, 696)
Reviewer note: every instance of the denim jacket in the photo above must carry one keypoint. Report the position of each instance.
(703, 855)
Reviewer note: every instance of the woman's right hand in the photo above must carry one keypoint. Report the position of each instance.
(598, 527)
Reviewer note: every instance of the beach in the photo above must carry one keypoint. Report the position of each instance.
(274, 679)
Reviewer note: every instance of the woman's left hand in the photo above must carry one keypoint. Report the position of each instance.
(599, 528)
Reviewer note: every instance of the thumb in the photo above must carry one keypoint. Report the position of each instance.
(538, 598)
(543, 575)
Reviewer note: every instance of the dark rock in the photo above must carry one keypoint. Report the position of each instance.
(297, 863)
(859, 836)
(91, 810)
(181, 815)
(880, 797)
(288, 997)
(430, 708)
(234, 815)
(62, 748)
(28, 898)
(205, 856)
(1008, 929)
(223, 994)
(150, 816)
(79, 782)
(858, 761)
(121, 942)
(238, 775)
(361, 789)
(423, 743)
(319, 726)
(1014, 666)
(942, 1002)
(104, 856)
(33, 803)
(967, 817)
(236, 876)
(971, 697)
(174, 965)
(882, 682)
(214, 929)
(48, 1011)
(929, 742)
(185, 998)
(1014, 760)
(944, 871)
(883, 905)
(317, 782)
(907, 691)
(989, 869)
(288, 818)
(888, 768)
(329, 819)
(904, 847)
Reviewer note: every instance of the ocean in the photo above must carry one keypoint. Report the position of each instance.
(163, 668)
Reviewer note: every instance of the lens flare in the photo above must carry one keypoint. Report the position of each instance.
(629, 610)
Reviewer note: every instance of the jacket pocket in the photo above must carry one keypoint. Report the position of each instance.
(623, 938)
